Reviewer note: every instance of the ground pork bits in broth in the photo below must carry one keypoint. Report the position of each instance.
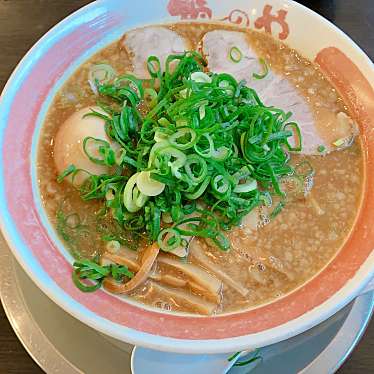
(269, 257)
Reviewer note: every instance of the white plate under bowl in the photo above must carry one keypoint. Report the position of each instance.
(322, 349)
(61, 344)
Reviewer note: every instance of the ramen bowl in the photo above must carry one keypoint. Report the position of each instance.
(23, 106)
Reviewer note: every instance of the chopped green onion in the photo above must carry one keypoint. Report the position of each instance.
(68, 171)
(235, 54)
(234, 356)
(102, 73)
(130, 82)
(168, 154)
(99, 151)
(254, 354)
(93, 272)
(297, 135)
(266, 198)
(277, 209)
(199, 191)
(169, 239)
(183, 139)
(133, 199)
(221, 154)
(220, 241)
(321, 148)
(206, 140)
(150, 97)
(339, 143)
(85, 287)
(147, 185)
(265, 70)
(196, 168)
(248, 186)
(161, 135)
(202, 112)
(201, 77)
(154, 66)
(220, 184)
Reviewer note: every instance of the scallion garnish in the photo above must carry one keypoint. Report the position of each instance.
(254, 358)
(339, 143)
(204, 155)
(68, 171)
(95, 273)
(235, 54)
(233, 356)
(265, 70)
(279, 207)
(101, 72)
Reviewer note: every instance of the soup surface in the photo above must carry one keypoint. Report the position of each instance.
(271, 253)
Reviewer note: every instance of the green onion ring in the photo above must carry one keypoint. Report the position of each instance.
(235, 54)
(265, 70)
(169, 239)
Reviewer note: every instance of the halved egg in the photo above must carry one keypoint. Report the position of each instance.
(68, 148)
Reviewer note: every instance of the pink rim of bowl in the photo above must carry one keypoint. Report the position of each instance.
(24, 103)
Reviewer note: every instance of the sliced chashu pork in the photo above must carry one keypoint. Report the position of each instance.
(152, 41)
(275, 90)
(184, 299)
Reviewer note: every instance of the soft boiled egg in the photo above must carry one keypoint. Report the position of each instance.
(68, 148)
